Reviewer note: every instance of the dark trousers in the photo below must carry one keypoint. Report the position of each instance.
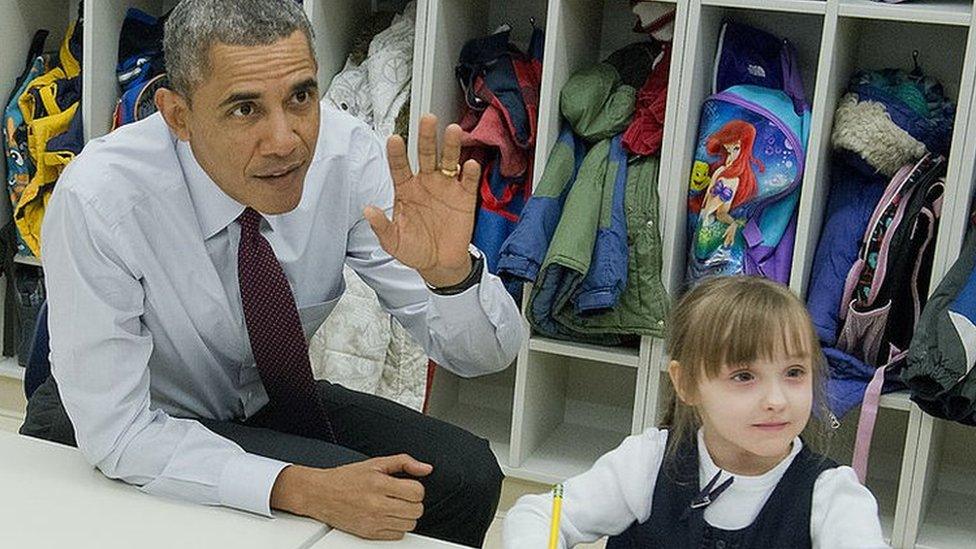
(461, 493)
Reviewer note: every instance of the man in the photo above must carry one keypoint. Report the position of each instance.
(189, 256)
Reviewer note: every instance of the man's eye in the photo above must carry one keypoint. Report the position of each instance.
(301, 97)
(243, 110)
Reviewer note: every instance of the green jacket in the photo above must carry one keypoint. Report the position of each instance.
(598, 106)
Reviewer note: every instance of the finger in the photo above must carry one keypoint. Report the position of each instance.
(427, 143)
(379, 535)
(388, 535)
(382, 227)
(471, 176)
(403, 463)
(399, 525)
(396, 156)
(404, 489)
(451, 148)
(404, 509)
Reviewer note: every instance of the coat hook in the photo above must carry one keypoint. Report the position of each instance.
(915, 60)
(532, 21)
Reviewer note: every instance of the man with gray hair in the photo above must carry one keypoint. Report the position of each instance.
(189, 256)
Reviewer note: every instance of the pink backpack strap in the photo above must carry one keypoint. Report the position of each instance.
(869, 415)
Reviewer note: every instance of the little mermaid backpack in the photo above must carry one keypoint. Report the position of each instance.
(749, 160)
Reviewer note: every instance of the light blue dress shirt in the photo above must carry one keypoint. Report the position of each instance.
(147, 331)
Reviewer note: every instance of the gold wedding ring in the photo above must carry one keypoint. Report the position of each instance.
(451, 173)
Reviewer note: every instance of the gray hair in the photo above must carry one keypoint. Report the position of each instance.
(196, 25)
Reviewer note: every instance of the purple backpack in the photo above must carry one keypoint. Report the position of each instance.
(749, 160)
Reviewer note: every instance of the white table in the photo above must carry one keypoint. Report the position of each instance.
(341, 540)
(50, 497)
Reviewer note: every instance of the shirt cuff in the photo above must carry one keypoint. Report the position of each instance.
(247, 481)
(461, 303)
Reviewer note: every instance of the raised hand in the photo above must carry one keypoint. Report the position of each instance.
(433, 211)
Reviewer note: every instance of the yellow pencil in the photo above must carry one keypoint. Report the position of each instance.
(557, 505)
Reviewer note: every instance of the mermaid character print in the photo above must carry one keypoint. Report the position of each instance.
(732, 181)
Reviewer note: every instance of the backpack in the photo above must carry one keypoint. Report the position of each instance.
(939, 372)
(141, 69)
(20, 165)
(887, 287)
(749, 160)
(890, 279)
(49, 106)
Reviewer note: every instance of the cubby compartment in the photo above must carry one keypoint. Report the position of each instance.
(448, 26)
(581, 33)
(870, 44)
(942, 514)
(336, 23)
(20, 21)
(800, 21)
(947, 12)
(482, 405)
(892, 434)
(569, 412)
(100, 88)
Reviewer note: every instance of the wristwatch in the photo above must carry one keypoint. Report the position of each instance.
(477, 267)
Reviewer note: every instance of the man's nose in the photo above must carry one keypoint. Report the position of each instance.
(280, 138)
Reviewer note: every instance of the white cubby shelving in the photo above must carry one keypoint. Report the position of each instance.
(572, 402)
(447, 26)
(908, 470)
(18, 27)
(482, 405)
(563, 404)
(573, 411)
(99, 87)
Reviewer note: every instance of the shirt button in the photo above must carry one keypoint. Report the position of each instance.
(720, 544)
(650, 223)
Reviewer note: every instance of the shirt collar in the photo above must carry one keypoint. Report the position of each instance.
(214, 208)
(707, 467)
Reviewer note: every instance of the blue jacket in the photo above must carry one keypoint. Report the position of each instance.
(573, 238)
(522, 253)
(854, 193)
(852, 198)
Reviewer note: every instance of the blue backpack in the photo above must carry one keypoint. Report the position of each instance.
(749, 160)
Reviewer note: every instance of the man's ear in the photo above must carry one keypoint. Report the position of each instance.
(680, 383)
(175, 111)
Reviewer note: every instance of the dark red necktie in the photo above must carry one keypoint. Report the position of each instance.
(276, 335)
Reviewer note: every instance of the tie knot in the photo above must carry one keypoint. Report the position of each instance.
(249, 220)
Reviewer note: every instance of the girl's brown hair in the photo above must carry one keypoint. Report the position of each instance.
(736, 320)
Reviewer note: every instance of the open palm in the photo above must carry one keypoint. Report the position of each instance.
(433, 213)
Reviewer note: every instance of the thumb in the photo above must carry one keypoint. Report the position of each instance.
(382, 227)
(403, 463)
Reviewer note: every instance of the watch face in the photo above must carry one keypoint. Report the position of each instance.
(144, 105)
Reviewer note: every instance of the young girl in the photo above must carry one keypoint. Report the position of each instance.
(730, 470)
